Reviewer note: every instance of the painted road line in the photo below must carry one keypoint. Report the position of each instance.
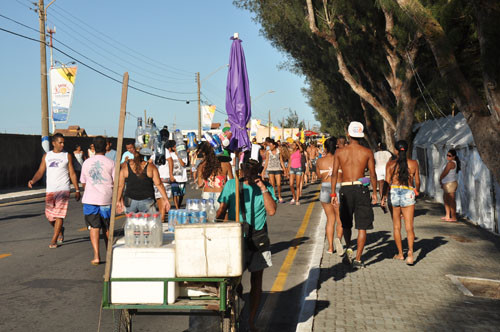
(4, 255)
(279, 282)
(85, 228)
(39, 199)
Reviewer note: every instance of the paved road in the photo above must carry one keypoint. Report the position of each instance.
(388, 295)
(46, 290)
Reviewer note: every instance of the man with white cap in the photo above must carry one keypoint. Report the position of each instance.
(354, 196)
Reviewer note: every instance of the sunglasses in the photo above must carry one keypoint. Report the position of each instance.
(449, 155)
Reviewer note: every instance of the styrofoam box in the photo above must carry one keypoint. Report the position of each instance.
(143, 263)
(209, 250)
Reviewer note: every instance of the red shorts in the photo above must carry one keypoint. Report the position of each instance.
(56, 205)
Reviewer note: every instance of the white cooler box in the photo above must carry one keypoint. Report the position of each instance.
(143, 263)
(209, 250)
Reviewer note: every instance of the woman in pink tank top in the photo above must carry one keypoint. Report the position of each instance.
(295, 171)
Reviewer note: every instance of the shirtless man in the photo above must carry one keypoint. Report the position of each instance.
(313, 153)
(355, 198)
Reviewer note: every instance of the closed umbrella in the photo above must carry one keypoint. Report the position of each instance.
(238, 107)
(238, 97)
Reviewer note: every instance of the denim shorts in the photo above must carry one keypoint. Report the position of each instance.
(401, 197)
(144, 206)
(297, 170)
(324, 194)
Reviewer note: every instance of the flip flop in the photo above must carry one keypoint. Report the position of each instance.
(95, 263)
(451, 220)
(53, 246)
(443, 218)
(396, 258)
(60, 239)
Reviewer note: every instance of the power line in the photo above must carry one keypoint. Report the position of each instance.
(115, 56)
(98, 71)
(95, 62)
(208, 101)
(167, 67)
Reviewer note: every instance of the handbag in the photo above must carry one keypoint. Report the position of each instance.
(256, 240)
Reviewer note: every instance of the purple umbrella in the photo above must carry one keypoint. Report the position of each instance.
(238, 97)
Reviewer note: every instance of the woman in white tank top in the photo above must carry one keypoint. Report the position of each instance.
(448, 181)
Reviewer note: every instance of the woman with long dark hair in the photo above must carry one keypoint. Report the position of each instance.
(324, 169)
(403, 177)
(274, 166)
(295, 171)
(448, 181)
(212, 174)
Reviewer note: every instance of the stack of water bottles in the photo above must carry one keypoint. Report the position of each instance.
(143, 231)
(198, 211)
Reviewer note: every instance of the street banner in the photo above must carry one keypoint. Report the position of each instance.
(207, 115)
(62, 82)
(274, 132)
(254, 127)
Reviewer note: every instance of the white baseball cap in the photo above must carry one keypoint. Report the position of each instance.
(355, 129)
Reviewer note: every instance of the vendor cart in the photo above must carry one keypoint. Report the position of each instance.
(224, 302)
(225, 305)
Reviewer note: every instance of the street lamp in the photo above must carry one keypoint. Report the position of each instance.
(252, 100)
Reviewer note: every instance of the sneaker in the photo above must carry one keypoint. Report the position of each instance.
(347, 260)
(339, 248)
(358, 264)
(292, 202)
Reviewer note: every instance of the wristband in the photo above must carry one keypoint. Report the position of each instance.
(264, 191)
(77, 191)
(333, 195)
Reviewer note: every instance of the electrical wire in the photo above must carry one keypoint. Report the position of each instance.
(172, 69)
(95, 62)
(98, 71)
(115, 56)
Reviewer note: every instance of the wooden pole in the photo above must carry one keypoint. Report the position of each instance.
(119, 147)
(269, 124)
(237, 183)
(43, 78)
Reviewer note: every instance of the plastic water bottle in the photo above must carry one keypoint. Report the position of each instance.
(211, 213)
(146, 230)
(155, 231)
(179, 144)
(203, 205)
(171, 220)
(129, 230)
(137, 230)
(202, 219)
(191, 137)
(218, 148)
(186, 217)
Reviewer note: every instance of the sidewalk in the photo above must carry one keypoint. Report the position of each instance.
(389, 295)
(22, 193)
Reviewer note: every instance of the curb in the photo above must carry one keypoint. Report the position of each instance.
(9, 198)
(310, 294)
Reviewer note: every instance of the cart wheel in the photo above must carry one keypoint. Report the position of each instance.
(229, 319)
(122, 320)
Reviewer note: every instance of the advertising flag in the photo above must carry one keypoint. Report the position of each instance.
(207, 115)
(254, 127)
(62, 82)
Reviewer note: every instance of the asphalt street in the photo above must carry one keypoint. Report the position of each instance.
(59, 290)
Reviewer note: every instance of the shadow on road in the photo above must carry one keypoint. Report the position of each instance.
(22, 216)
(284, 245)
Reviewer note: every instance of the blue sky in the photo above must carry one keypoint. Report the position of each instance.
(170, 42)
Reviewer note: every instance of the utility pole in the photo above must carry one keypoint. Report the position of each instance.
(145, 119)
(283, 129)
(269, 124)
(51, 32)
(43, 78)
(199, 105)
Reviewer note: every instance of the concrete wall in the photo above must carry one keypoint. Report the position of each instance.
(21, 156)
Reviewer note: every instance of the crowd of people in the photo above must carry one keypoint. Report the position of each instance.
(344, 167)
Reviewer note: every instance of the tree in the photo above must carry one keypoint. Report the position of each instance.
(480, 105)
(292, 121)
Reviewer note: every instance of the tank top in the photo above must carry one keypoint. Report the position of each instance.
(57, 171)
(139, 188)
(452, 174)
(295, 159)
(274, 163)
